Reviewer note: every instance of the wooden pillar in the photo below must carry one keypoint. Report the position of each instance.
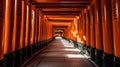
(28, 28)
(2, 17)
(23, 31)
(99, 36)
(84, 28)
(88, 29)
(16, 32)
(92, 33)
(116, 30)
(37, 26)
(9, 21)
(39, 31)
(107, 33)
(81, 33)
(33, 29)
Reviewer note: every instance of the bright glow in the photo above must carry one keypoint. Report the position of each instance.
(84, 37)
(77, 17)
(33, 16)
(71, 49)
(66, 44)
(75, 56)
(117, 10)
(58, 37)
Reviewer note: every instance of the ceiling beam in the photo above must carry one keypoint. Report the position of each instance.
(61, 12)
(62, 9)
(58, 20)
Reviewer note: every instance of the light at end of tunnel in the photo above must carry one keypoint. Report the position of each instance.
(77, 17)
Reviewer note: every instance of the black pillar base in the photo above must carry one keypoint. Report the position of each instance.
(2, 63)
(92, 54)
(87, 48)
(18, 57)
(41, 45)
(9, 59)
(37, 47)
(107, 60)
(29, 51)
(75, 44)
(24, 54)
(116, 62)
(33, 48)
(98, 57)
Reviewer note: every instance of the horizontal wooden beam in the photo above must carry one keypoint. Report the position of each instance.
(62, 9)
(75, 14)
(61, 12)
(52, 20)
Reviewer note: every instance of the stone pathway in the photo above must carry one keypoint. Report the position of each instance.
(60, 53)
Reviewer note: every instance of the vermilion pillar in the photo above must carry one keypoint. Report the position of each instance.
(2, 5)
(81, 31)
(9, 19)
(28, 27)
(33, 28)
(23, 30)
(37, 26)
(88, 29)
(84, 26)
(35, 31)
(39, 31)
(99, 36)
(116, 30)
(107, 33)
(92, 32)
(16, 33)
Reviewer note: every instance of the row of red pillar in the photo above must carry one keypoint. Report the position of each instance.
(99, 30)
(100, 23)
(21, 25)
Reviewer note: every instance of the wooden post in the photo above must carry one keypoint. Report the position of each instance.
(107, 33)
(9, 21)
(23, 31)
(28, 28)
(99, 34)
(92, 33)
(16, 33)
(116, 30)
(2, 17)
(88, 29)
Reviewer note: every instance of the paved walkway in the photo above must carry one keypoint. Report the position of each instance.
(60, 53)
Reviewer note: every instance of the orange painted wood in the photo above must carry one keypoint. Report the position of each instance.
(28, 23)
(88, 27)
(116, 26)
(98, 25)
(92, 27)
(17, 24)
(107, 27)
(37, 25)
(9, 19)
(2, 5)
(23, 25)
(84, 27)
(33, 25)
(39, 21)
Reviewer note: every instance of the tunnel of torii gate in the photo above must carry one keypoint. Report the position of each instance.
(28, 26)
